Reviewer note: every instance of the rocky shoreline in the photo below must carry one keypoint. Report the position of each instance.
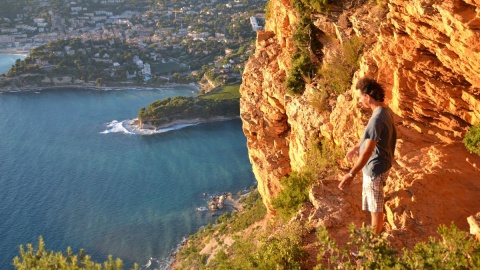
(228, 200)
(194, 121)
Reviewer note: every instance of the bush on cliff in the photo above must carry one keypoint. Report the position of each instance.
(278, 247)
(317, 5)
(321, 162)
(472, 139)
(307, 50)
(454, 250)
(293, 195)
(336, 75)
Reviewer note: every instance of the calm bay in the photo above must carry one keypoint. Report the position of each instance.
(71, 172)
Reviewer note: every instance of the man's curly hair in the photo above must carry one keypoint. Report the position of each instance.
(372, 88)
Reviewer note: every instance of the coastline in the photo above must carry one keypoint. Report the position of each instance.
(195, 87)
(15, 51)
(196, 121)
(177, 123)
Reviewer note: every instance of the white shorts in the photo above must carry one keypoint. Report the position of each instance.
(372, 192)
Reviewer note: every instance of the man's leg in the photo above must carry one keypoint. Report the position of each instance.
(377, 222)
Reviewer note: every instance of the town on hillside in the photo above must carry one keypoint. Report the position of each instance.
(128, 42)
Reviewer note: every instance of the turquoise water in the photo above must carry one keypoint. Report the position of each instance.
(70, 173)
(7, 60)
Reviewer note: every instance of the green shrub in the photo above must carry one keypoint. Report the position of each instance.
(455, 250)
(268, 10)
(337, 74)
(278, 247)
(317, 5)
(281, 249)
(301, 67)
(319, 100)
(472, 139)
(190, 257)
(321, 162)
(254, 211)
(321, 158)
(306, 46)
(41, 258)
(293, 195)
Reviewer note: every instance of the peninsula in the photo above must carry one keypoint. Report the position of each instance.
(219, 104)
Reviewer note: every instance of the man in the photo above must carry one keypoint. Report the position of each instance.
(375, 151)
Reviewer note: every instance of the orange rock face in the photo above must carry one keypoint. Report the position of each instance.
(427, 56)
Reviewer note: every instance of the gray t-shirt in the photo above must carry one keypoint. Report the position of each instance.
(380, 128)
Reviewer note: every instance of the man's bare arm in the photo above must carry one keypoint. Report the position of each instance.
(362, 159)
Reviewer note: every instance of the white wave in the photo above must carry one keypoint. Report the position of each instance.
(130, 127)
(116, 127)
(153, 262)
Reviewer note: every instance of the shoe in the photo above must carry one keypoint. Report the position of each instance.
(355, 254)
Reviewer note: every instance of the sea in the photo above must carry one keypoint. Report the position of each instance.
(7, 60)
(74, 171)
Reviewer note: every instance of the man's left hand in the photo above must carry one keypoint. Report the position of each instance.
(345, 181)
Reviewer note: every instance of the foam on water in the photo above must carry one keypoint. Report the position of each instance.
(116, 127)
(130, 127)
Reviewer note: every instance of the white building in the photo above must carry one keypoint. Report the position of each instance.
(111, 1)
(254, 23)
(6, 39)
(146, 69)
(139, 63)
(131, 76)
(103, 12)
(38, 20)
(199, 35)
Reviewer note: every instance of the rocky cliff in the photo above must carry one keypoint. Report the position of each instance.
(426, 53)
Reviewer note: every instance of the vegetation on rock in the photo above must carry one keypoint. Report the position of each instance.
(336, 75)
(472, 139)
(307, 49)
(321, 162)
(454, 250)
(40, 258)
(253, 211)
